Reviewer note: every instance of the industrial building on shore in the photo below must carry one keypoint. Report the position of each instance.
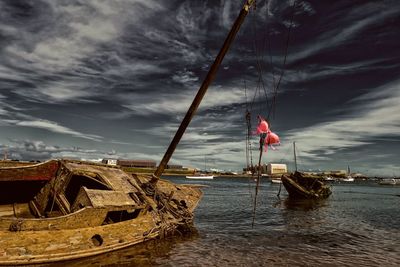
(135, 163)
(270, 169)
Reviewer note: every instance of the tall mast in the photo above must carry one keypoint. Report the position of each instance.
(203, 89)
(294, 153)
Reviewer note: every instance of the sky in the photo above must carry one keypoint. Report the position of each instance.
(100, 79)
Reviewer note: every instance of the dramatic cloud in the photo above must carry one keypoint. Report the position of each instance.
(115, 78)
(53, 127)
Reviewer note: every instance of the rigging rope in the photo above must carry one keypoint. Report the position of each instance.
(260, 83)
(259, 59)
(273, 107)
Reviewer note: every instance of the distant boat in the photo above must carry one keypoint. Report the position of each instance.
(276, 181)
(348, 178)
(392, 181)
(302, 186)
(328, 178)
(201, 176)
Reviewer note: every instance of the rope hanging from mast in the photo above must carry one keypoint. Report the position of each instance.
(265, 137)
(273, 106)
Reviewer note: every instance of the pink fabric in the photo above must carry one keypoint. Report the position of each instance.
(262, 126)
(272, 139)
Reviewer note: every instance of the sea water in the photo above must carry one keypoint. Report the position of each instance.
(358, 225)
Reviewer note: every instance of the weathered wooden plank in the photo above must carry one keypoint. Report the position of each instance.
(37, 172)
(86, 217)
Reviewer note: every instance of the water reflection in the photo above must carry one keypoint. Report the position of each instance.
(304, 204)
(145, 254)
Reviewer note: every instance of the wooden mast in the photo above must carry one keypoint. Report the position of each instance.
(203, 89)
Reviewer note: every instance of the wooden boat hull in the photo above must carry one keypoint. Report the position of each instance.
(299, 188)
(122, 211)
(29, 247)
(19, 171)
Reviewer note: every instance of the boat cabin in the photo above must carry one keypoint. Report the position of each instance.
(67, 194)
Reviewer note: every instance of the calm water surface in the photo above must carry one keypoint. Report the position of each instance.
(359, 224)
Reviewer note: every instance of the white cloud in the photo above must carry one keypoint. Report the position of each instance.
(136, 67)
(39, 150)
(314, 71)
(52, 127)
(226, 14)
(218, 155)
(184, 77)
(60, 91)
(216, 96)
(73, 36)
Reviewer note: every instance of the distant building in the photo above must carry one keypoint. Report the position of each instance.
(109, 161)
(174, 166)
(273, 168)
(136, 163)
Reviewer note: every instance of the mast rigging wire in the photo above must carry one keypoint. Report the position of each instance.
(284, 62)
(272, 107)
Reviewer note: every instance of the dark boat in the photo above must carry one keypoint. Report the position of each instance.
(303, 186)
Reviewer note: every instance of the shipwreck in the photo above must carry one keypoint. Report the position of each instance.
(303, 186)
(72, 209)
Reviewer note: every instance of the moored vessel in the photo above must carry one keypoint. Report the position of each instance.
(302, 186)
(200, 176)
(389, 181)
